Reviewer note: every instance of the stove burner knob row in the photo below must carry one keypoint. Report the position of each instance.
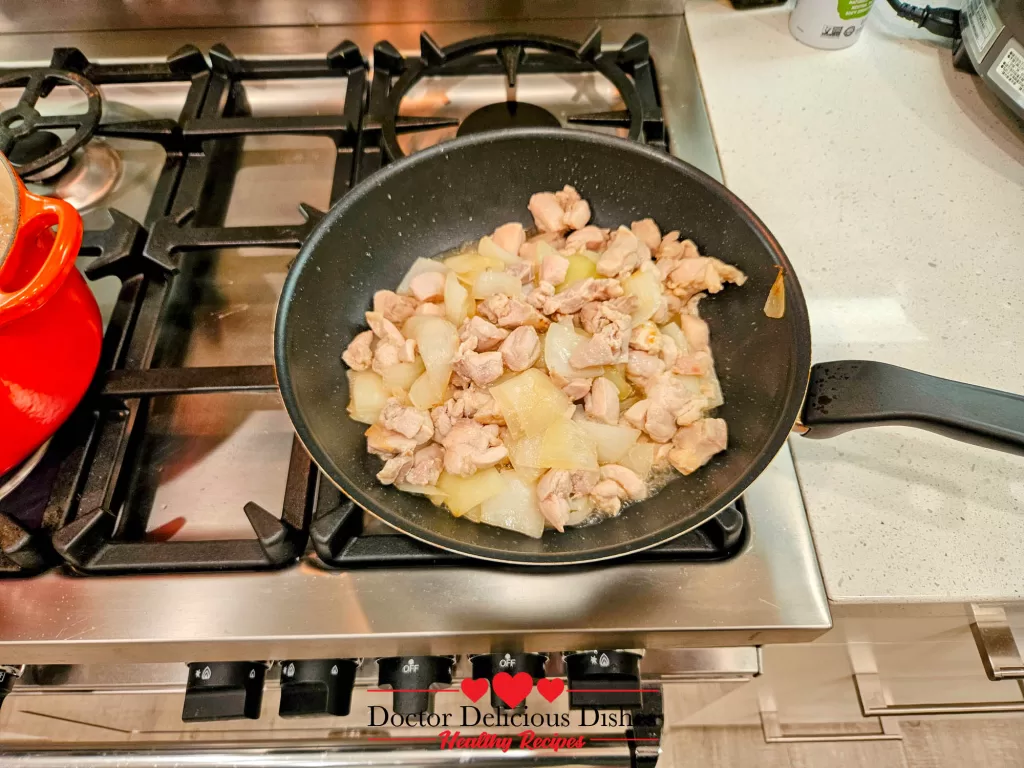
(488, 665)
(313, 687)
(604, 679)
(223, 690)
(8, 674)
(413, 680)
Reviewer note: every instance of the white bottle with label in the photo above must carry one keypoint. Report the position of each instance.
(828, 24)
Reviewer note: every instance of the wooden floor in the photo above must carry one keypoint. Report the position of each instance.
(948, 743)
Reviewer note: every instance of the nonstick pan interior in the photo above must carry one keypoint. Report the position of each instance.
(459, 191)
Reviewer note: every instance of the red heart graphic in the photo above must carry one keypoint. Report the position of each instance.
(512, 690)
(550, 687)
(474, 689)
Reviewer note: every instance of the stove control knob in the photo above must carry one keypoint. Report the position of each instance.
(490, 664)
(317, 687)
(412, 679)
(223, 690)
(8, 674)
(604, 679)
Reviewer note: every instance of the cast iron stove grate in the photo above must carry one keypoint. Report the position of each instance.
(96, 527)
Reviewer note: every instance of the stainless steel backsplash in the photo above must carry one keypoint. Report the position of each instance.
(94, 15)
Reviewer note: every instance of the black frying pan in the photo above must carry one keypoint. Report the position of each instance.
(460, 190)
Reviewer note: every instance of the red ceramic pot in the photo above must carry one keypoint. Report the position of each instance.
(50, 328)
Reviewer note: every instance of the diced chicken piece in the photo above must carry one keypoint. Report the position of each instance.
(395, 469)
(583, 481)
(646, 337)
(488, 335)
(553, 269)
(508, 312)
(667, 309)
(479, 367)
(523, 271)
(538, 296)
(691, 307)
(521, 349)
(388, 354)
(479, 405)
(607, 496)
(698, 337)
(385, 443)
(555, 239)
(393, 307)
(444, 417)
(384, 329)
(427, 464)
(643, 366)
(571, 300)
(695, 364)
(636, 414)
(559, 211)
(547, 213)
(574, 207)
(603, 348)
(669, 404)
(647, 232)
(407, 421)
(577, 389)
(553, 497)
(509, 237)
(589, 238)
(702, 273)
(625, 252)
(602, 402)
(470, 446)
(593, 318)
(670, 249)
(359, 355)
(627, 479)
(694, 445)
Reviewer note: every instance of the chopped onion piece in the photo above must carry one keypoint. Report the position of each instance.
(429, 389)
(580, 268)
(616, 374)
(566, 445)
(640, 459)
(515, 508)
(457, 303)
(559, 343)
(613, 442)
(488, 283)
(775, 306)
(438, 341)
(418, 268)
(530, 402)
(399, 377)
(366, 396)
(432, 492)
(645, 286)
(491, 250)
(674, 332)
(464, 493)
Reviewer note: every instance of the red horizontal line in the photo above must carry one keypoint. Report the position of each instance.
(409, 690)
(402, 738)
(612, 690)
(646, 738)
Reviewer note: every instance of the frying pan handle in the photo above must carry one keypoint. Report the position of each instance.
(848, 394)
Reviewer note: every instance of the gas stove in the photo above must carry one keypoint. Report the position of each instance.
(176, 518)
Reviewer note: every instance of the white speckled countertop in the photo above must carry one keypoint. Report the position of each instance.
(896, 186)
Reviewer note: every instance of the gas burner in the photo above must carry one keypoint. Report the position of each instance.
(629, 70)
(10, 481)
(22, 123)
(510, 114)
(84, 178)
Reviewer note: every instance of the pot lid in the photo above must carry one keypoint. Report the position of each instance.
(8, 207)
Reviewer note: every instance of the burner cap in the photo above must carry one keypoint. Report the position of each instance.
(507, 114)
(33, 147)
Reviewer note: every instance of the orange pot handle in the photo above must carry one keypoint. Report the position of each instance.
(37, 213)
